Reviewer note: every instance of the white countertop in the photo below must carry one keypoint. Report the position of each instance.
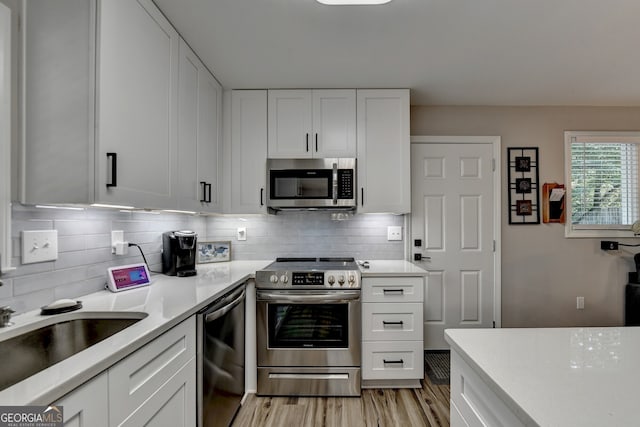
(392, 268)
(168, 301)
(559, 377)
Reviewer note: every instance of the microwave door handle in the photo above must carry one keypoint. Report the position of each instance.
(335, 183)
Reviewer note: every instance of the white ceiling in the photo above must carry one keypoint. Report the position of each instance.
(448, 52)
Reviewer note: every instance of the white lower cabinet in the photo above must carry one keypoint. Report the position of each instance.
(392, 331)
(88, 405)
(136, 381)
(473, 403)
(153, 386)
(174, 404)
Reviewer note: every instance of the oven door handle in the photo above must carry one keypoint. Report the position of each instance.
(330, 297)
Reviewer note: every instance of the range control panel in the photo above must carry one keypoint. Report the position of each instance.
(308, 279)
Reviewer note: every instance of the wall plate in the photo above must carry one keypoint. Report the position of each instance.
(39, 246)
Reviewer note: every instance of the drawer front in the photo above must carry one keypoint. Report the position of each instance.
(392, 322)
(138, 376)
(392, 289)
(389, 360)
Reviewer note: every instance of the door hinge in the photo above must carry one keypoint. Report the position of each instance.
(494, 246)
(493, 165)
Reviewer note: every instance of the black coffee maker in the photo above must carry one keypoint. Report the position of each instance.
(179, 253)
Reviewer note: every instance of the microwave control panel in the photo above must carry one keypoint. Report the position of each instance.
(345, 184)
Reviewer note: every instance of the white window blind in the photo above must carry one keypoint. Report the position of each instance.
(604, 181)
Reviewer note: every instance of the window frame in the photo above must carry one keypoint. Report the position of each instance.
(593, 231)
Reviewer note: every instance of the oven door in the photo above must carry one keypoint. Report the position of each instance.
(308, 328)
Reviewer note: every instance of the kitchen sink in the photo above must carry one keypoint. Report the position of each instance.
(34, 348)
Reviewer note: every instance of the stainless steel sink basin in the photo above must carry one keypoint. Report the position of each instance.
(34, 348)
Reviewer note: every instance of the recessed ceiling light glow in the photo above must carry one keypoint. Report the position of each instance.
(352, 2)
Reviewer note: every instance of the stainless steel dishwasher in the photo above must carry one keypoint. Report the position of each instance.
(220, 359)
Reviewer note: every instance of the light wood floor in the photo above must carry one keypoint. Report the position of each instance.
(428, 406)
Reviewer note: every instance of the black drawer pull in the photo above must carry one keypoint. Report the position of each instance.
(316, 142)
(399, 362)
(114, 170)
(209, 192)
(393, 291)
(261, 194)
(307, 143)
(400, 322)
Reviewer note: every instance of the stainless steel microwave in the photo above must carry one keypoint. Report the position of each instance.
(307, 184)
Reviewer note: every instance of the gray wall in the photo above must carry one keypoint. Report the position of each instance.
(84, 239)
(542, 271)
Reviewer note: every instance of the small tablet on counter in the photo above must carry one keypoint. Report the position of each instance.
(125, 277)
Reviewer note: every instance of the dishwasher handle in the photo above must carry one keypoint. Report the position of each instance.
(225, 305)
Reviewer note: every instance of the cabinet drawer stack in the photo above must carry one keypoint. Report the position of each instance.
(392, 331)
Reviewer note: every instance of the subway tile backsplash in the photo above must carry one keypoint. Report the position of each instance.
(308, 234)
(84, 240)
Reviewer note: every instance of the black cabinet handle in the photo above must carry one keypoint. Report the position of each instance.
(393, 291)
(307, 142)
(114, 170)
(316, 142)
(204, 192)
(261, 194)
(400, 322)
(362, 196)
(400, 362)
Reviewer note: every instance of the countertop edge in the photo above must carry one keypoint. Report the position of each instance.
(488, 380)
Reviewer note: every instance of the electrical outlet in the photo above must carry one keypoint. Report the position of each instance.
(39, 246)
(394, 232)
(579, 303)
(242, 233)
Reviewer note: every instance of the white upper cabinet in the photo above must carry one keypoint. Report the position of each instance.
(137, 104)
(312, 123)
(383, 151)
(101, 103)
(199, 135)
(248, 150)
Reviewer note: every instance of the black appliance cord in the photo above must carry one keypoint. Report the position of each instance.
(143, 257)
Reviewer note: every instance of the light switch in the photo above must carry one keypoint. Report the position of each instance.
(39, 246)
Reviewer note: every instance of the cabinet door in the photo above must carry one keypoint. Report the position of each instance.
(334, 123)
(58, 103)
(248, 151)
(199, 117)
(290, 130)
(87, 406)
(383, 150)
(137, 104)
(133, 380)
(173, 404)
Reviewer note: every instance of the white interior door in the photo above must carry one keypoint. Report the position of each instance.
(455, 213)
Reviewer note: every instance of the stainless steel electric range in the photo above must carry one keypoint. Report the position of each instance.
(308, 326)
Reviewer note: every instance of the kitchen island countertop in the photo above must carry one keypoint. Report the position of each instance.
(558, 376)
(167, 301)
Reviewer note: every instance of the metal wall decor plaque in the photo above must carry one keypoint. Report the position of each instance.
(524, 192)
